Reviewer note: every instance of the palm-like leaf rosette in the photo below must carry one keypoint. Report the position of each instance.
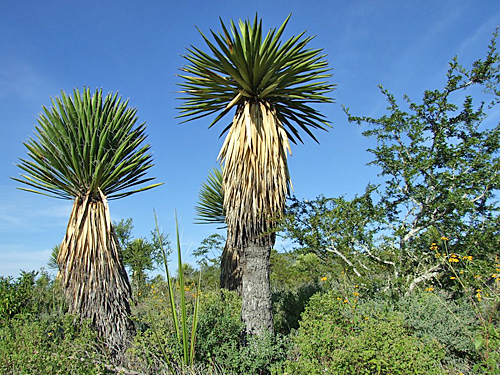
(271, 86)
(84, 144)
(210, 207)
(88, 148)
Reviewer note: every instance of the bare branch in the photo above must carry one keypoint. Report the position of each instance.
(333, 249)
(427, 275)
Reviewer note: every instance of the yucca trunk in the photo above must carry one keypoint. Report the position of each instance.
(91, 273)
(230, 275)
(255, 183)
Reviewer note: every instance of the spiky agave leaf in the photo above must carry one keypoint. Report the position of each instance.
(85, 143)
(210, 208)
(272, 86)
(245, 67)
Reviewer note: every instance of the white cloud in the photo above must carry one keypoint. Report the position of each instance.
(20, 213)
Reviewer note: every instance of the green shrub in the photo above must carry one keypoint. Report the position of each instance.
(334, 338)
(53, 344)
(261, 355)
(288, 305)
(453, 324)
(219, 323)
(32, 293)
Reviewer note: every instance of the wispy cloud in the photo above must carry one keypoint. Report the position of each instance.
(22, 80)
(17, 258)
(18, 213)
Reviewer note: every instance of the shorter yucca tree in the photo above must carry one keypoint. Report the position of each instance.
(89, 149)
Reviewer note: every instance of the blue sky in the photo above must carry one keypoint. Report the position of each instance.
(136, 48)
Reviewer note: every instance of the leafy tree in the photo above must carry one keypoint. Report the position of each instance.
(271, 86)
(439, 160)
(209, 254)
(139, 254)
(88, 149)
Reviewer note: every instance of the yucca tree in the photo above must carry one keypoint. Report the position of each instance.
(210, 210)
(270, 85)
(89, 149)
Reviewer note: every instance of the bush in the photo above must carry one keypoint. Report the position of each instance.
(218, 348)
(219, 324)
(334, 338)
(454, 325)
(288, 305)
(54, 344)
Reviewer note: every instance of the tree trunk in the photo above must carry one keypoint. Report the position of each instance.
(92, 276)
(230, 275)
(256, 309)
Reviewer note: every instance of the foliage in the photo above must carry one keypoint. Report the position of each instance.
(26, 296)
(52, 262)
(52, 344)
(439, 165)
(87, 143)
(181, 327)
(210, 208)
(245, 66)
(432, 316)
(139, 254)
(219, 324)
(261, 355)
(334, 338)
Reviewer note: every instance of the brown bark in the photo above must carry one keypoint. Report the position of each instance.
(256, 309)
(94, 280)
(230, 276)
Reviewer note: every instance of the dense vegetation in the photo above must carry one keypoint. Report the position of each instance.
(403, 278)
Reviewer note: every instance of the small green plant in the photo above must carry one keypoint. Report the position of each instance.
(181, 327)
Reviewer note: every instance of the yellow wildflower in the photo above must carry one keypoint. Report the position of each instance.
(452, 278)
(324, 278)
(468, 257)
(346, 301)
(356, 294)
(338, 298)
(445, 238)
(429, 289)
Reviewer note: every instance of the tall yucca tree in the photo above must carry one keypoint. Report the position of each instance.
(270, 84)
(210, 210)
(88, 149)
